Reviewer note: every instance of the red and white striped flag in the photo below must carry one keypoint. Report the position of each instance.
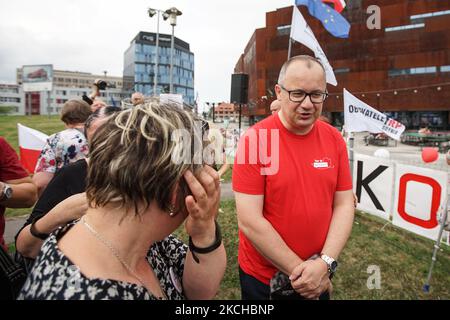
(31, 142)
(339, 5)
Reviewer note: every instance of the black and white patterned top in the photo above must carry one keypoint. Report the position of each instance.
(55, 277)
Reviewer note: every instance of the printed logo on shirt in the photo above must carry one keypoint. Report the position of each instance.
(323, 164)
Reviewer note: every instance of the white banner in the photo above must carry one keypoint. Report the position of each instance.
(413, 198)
(420, 197)
(373, 180)
(301, 32)
(359, 116)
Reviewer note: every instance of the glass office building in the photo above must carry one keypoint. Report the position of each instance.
(139, 66)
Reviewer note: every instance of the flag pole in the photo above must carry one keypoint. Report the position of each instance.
(290, 47)
(351, 155)
(426, 286)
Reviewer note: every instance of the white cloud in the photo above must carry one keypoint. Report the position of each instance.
(91, 36)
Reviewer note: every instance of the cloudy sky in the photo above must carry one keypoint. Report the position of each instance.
(91, 36)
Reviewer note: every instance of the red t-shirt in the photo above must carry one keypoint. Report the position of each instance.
(10, 169)
(298, 191)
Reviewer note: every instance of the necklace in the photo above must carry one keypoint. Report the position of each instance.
(116, 254)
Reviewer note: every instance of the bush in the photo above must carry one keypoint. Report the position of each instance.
(4, 110)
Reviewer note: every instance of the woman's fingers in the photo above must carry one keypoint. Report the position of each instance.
(209, 178)
(196, 187)
(205, 188)
(192, 206)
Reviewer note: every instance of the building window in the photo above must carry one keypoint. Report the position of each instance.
(445, 68)
(409, 71)
(341, 70)
(430, 14)
(406, 27)
(284, 30)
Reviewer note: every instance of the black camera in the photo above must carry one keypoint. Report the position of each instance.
(100, 84)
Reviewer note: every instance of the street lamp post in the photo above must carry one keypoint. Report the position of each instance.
(151, 13)
(172, 13)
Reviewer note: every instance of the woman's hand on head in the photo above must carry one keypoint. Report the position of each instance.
(202, 205)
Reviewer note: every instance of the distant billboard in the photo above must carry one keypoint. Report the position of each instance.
(37, 77)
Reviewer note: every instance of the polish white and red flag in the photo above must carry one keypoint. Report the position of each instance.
(339, 5)
(31, 142)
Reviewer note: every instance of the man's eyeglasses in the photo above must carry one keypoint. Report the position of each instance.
(298, 96)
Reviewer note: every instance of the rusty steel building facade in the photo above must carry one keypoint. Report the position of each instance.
(402, 69)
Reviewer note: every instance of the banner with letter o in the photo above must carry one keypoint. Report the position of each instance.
(420, 195)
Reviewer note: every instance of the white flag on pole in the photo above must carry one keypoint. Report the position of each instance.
(359, 116)
(301, 32)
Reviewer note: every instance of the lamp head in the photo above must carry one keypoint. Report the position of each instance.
(151, 12)
(172, 14)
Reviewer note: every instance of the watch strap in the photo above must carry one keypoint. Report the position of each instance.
(36, 233)
(4, 192)
(329, 261)
(214, 246)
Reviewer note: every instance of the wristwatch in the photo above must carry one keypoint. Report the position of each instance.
(331, 263)
(6, 192)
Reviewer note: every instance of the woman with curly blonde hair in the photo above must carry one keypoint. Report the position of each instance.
(138, 194)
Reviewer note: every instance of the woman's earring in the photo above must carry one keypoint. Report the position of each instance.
(171, 209)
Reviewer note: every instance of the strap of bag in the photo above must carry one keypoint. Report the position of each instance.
(13, 272)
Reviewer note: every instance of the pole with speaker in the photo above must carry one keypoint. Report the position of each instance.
(239, 92)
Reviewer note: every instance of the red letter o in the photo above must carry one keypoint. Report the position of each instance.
(436, 196)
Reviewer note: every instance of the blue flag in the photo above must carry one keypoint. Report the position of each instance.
(336, 24)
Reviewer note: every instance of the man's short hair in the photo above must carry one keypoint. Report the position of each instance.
(305, 58)
(131, 158)
(75, 111)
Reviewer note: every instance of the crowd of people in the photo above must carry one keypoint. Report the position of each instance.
(108, 193)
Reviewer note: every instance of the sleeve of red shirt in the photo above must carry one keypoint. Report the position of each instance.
(10, 167)
(344, 181)
(247, 177)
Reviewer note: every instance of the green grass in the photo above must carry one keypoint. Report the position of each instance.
(17, 212)
(8, 130)
(227, 176)
(403, 259)
(8, 126)
(11, 247)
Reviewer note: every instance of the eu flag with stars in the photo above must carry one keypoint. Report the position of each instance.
(336, 24)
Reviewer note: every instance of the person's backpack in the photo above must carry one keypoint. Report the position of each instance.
(12, 276)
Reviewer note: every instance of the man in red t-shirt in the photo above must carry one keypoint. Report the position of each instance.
(16, 187)
(293, 190)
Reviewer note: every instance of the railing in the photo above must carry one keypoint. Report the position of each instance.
(440, 140)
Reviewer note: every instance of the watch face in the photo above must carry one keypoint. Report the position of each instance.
(333, 266)
(8, 192)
